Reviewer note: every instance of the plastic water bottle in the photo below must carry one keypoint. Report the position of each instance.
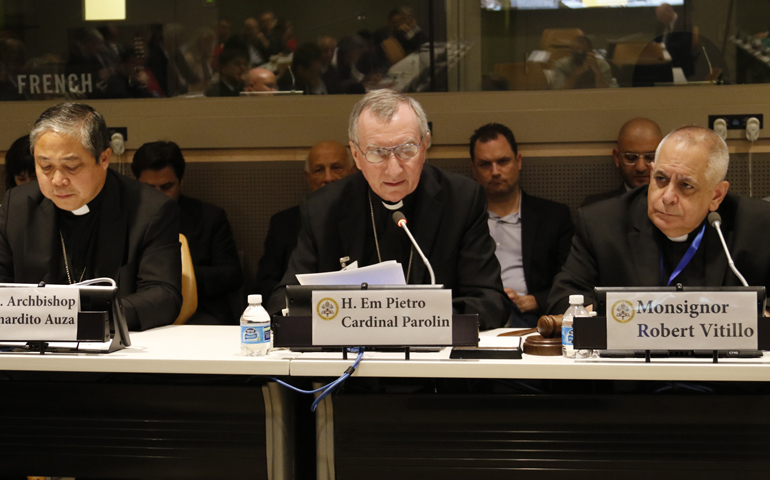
(575, 309)
(256, 338)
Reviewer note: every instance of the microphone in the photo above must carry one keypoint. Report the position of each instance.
(716, 221)
(400, 220)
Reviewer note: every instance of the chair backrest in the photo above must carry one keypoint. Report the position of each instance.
(393, 50)
(633, 53)
(523, 76)
(558, 37)
(189, 285)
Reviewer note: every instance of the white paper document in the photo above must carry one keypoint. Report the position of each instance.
(385, 273)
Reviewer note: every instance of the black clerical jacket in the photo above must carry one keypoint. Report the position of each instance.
(137, 245)
(615, 246)
(449, 223)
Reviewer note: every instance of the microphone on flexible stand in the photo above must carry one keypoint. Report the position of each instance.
(400, 220)
(716, 221)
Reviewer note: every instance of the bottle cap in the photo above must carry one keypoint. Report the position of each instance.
(255, 299)
(576, 299)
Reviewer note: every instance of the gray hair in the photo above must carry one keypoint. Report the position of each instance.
(384, 105)
(348, 157)
(718, 154)
(75, 120)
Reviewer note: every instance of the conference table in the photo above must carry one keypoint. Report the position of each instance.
(182, 402)
(541, 417)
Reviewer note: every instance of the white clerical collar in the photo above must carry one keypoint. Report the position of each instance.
(82, 210)
(680, 239)
(393, 206)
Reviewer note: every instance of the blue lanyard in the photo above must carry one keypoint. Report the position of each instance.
(685, 259)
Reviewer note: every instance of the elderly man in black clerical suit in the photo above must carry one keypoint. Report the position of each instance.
(352, 217)
(81, 220)
(659, 235)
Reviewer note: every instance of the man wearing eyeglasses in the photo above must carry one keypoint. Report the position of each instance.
(351, 219)
(633, 156)
(659, 235)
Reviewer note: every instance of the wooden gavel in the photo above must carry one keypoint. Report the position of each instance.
(548, 342)
(548, 326)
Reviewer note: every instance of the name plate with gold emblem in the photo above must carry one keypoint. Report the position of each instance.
(708, 320)
(382, 317)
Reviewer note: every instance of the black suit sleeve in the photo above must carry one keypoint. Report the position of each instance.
(565, 230)
(479, 288)
(224, 274)
(580, 273)
(304, 259)
(274, 262)
(158, 297)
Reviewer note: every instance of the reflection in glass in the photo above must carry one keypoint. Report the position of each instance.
(173, 48)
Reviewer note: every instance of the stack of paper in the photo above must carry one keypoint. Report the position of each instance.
(385, 273)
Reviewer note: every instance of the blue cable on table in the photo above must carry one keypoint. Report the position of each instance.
(328, 388)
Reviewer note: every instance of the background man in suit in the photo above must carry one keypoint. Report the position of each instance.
(233, 67)
(633, 156)
(81, 220)
(532, 235)
(212, 246)
(326, 162)
(641, 238)
(352, 217)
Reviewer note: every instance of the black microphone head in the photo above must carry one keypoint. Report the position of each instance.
(398, 216)
(713, 218)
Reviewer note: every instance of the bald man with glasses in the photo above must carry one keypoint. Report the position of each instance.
(351, 219)
(633, 157)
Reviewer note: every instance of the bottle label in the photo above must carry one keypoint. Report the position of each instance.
(252, 334)
(566, 335)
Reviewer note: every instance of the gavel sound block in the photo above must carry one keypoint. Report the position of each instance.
(547, 342)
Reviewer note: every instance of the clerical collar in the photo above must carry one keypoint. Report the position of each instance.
(82, 210)
(686, 237)
(92, 206)
(680, 239)
(406, 204)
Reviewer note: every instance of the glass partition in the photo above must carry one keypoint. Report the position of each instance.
(196, 48)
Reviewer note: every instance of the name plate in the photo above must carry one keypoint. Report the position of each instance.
(682, 320)
(382, 317)
(39, 313)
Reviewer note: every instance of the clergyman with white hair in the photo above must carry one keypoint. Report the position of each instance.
(351, 220)
(659, 235)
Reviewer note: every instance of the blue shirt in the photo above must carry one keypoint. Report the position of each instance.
(506, 231)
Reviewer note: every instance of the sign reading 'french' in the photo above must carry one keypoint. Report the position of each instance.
(382, 317)
(39, 313)
(682, 320)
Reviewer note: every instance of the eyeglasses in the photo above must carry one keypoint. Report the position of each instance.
(405, 151)
(630, 158)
